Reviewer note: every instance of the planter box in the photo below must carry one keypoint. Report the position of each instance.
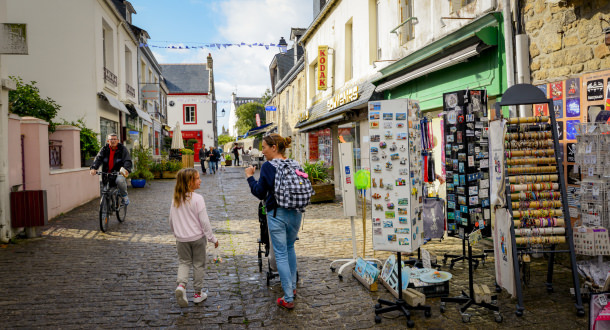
(188, 161)
(229, 162)
(325, 192)
(157, 175)
(169, 175)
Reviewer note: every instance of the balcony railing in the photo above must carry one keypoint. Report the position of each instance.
(55, 154)
(130, 90)
(110, 77)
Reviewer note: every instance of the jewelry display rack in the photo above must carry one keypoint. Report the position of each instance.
(535, 183)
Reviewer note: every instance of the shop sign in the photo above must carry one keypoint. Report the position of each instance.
(270, 108)
(322, 67)
(347, 96)
(150, 92)
(303, 116)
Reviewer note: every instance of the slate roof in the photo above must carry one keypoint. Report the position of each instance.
(319, 112)
(186, 78)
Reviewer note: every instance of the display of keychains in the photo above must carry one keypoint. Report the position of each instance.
(534, 186)
(467, 162)
(396, 175)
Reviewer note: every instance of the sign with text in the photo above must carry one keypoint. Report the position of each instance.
(150, 91)
(347, 96)
(322, 67)
(346, 163)
(13, 39)
(270, 108)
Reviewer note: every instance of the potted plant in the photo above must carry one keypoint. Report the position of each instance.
(188, 158)
(157, 168)
(142, 160)
(320, 177)
(171, 168)
(228, 160)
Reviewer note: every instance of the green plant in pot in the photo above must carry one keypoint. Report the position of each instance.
(142, 161)
(156, 168)
(320, 176)
(228, 159)
(171, 168)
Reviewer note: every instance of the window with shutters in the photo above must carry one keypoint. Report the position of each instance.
(406, 15)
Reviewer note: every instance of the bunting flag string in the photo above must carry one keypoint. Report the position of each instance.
(196, 100)
(213, 45)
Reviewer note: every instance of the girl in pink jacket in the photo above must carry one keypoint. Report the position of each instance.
(189, 221)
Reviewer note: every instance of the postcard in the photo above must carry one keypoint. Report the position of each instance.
(374, 124)
(388, 116)
(401, 116)
(374, 115)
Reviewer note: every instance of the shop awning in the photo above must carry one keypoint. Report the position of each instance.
(447, 61)
(255, 130)
(323, 122)
(145, 116)
(115, 103)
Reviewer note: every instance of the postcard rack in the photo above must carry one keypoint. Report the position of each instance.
(535, 189)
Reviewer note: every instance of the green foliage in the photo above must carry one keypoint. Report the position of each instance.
(228, 157)
(266, 96)
(167, 142)
(142, 160)
(224, 139)
(172, 166)
(186, 151)
(317, 172)
(190, 144)
(246, 116)
(89, 145)
(26, 101)
(156, 167)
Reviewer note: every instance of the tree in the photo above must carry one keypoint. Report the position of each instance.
(224, 139)
(26, 101)
(246, 116)
(266, 96)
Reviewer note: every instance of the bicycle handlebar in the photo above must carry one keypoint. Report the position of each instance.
(104, 173)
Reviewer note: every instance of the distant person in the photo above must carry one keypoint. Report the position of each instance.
(114, 157)
(203, 156)
(249, 151)
(236, 148)
(188, 219)
(214, 158)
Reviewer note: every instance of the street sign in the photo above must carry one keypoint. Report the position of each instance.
(270, 108)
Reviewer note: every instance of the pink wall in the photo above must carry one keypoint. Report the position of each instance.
(67, 187)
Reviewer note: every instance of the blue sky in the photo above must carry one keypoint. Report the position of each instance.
(242, 70)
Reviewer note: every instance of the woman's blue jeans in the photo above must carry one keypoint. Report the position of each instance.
(284, 227)
(213, 167)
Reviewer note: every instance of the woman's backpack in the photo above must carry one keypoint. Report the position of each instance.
(293, 189)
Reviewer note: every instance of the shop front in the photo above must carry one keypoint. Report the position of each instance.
(471, 58)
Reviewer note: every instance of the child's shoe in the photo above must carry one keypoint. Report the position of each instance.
(282, 303)
(181, 296)
(199, 297)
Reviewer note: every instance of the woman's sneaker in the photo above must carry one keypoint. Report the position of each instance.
(282, 303)
(181, 296)
(199, 297)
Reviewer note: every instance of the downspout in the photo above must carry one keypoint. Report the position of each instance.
(508, 45)
(523, 58)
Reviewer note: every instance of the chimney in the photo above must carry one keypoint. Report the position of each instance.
(210, 62)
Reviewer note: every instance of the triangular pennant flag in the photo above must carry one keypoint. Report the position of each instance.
(266, 46)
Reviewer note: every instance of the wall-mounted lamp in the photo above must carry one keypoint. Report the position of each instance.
(283, 45)
(223, 113)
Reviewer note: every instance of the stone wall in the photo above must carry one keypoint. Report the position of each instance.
(566, 38)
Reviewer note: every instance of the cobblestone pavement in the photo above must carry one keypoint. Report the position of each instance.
(74, 276)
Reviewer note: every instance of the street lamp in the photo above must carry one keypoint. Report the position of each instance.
(223, 113)
(283, 45)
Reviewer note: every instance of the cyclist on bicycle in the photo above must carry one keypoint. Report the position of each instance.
(116, 154)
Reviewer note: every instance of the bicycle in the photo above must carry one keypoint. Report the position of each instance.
(111, 201)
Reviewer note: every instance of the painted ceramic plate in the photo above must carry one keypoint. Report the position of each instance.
(436, 277)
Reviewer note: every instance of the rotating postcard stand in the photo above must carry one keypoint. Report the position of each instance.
(346, 164)
(396, 188)
(525, 94)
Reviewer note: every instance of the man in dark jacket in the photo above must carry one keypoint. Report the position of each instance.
(236, 148)
(203, 156)
(114, 157)
(214, 158)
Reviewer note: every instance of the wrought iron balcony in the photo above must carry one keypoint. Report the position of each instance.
(110, 77)
(130, 90)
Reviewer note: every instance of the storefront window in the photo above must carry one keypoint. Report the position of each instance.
(351, 133)
(107, 127)
(320, 146)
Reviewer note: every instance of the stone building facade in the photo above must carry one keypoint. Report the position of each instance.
(566, 38)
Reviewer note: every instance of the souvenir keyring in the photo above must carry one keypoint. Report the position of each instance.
(402, 148)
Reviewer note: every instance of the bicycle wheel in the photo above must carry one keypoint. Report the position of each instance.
(121, 211)
(104, 215)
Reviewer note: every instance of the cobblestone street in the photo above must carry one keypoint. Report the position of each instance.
(74, 276)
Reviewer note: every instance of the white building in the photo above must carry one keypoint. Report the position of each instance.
(191, 99)
(82, 54)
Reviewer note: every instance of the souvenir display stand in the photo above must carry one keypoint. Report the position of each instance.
(592, 156)
(535, 189)
(466, 163)
(396, 187)
(349, 204)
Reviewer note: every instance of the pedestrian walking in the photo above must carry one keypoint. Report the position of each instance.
(236, 148)
(188, 219)
(214, 158)
(203, 155)
(286, 191)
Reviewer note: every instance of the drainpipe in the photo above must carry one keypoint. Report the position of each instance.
(508, 45)
(523, 59)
